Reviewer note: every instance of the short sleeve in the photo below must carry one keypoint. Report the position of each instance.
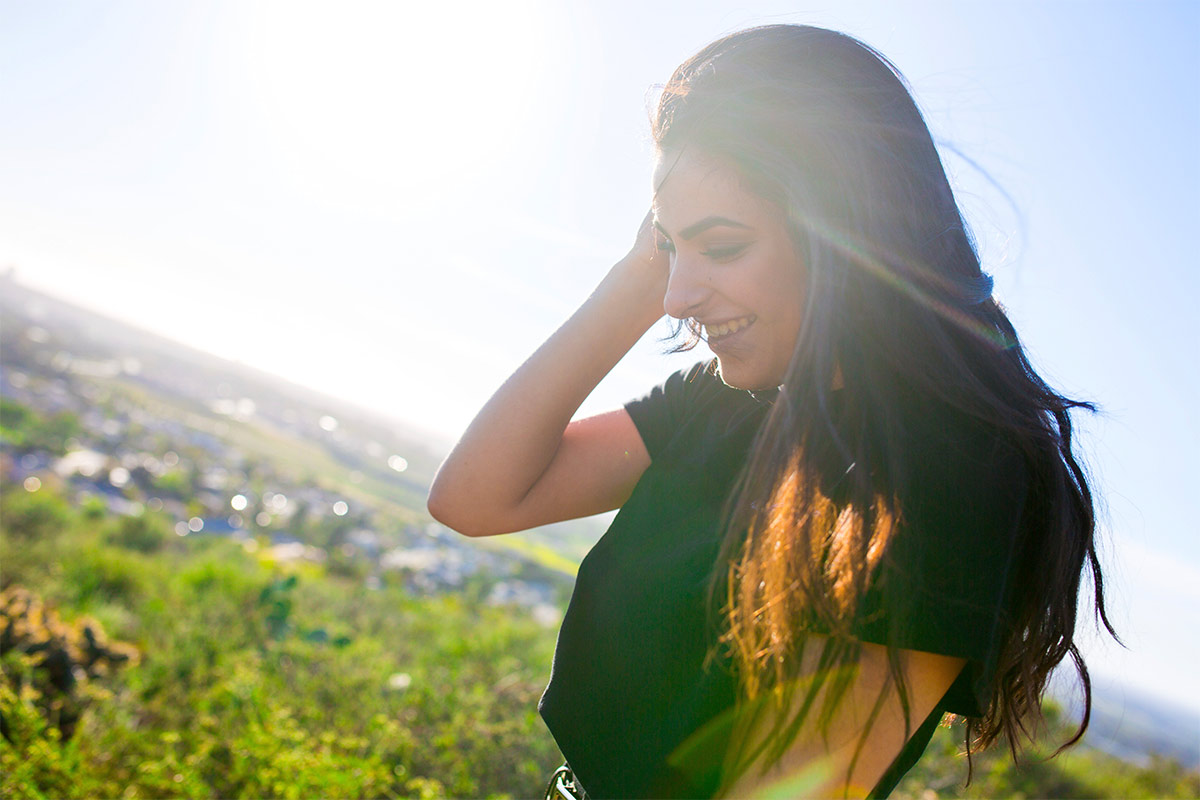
(659, 414)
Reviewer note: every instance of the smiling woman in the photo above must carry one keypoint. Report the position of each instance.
(734, 270)
(864, 515)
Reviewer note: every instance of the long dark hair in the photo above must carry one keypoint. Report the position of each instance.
(823, 126)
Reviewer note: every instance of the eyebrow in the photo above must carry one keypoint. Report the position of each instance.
(700, 227)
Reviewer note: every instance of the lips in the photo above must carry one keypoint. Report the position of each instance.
(720, 330)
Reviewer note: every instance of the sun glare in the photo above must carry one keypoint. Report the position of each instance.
(410, 97)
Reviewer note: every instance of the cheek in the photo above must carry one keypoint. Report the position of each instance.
(787, 279)
(789, 289)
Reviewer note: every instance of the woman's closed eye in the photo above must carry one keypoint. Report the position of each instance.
(717, 252)
(724, 252)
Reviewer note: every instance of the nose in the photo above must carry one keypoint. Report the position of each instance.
(687, 288)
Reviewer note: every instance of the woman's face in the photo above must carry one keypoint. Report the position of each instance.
(734, 268)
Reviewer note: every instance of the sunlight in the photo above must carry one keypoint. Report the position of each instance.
(401, 96)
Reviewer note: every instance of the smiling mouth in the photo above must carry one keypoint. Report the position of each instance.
(716, 332)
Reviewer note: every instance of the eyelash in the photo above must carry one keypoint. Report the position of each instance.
(726, 253)
(715, 253)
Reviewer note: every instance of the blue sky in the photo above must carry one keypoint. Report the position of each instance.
(396, 204)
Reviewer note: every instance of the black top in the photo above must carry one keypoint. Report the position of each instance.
(635, 706)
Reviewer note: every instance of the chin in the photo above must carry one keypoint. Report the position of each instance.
(736, 378)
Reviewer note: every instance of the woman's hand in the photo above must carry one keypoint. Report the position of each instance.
(646, 250)
(648, 265)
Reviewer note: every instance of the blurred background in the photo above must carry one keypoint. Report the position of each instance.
(262, 261)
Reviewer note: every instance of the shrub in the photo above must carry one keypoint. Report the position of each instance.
(51, 661)
(34, 515)
(145, 532)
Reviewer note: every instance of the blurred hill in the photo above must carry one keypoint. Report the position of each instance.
(99, 346)
(1130, 724)
(390, 459)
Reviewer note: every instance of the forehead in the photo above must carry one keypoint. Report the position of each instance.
(689, 186)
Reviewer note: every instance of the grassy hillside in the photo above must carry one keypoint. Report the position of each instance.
(138, 663)
(245, 679)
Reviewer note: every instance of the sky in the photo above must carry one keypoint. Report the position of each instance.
(396, 203)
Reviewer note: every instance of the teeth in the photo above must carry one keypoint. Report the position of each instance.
(726, 328)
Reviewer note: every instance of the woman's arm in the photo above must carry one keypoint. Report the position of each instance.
(522, 462)
(815, 766)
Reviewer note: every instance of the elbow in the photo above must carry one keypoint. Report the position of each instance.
(464, 505)
(436, 507)
(450, 512)
(442, 508)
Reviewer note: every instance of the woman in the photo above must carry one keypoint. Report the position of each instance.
(865, 514)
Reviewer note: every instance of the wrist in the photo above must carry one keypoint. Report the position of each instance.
(638, 287)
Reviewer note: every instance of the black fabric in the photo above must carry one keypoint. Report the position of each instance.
(637, 705)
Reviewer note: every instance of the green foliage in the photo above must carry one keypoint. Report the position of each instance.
(51, 664)
(257, 683)
(146, 533)
(33, 761)
(27, 430)
(277, 599)
(93, 509)
(178, 483)
(97, 573)
(31, 516)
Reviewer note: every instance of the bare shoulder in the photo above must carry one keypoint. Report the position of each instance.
(595, 469)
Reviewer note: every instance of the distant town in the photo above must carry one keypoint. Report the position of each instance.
(142, 425)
